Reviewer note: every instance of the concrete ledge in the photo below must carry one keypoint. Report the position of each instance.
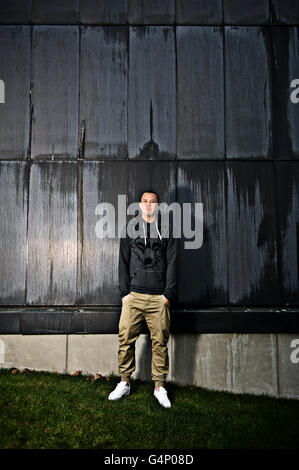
(104, 319)
(265, 364)
(47, 352)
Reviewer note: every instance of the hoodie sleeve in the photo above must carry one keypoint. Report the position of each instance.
(171, 272)
(124, 267)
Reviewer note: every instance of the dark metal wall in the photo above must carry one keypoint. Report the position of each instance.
(189, 97)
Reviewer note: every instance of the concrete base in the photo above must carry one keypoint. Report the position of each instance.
(240, 363)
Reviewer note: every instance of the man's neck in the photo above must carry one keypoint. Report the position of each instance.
(149, 219)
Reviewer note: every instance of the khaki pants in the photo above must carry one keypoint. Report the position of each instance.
(156, 313)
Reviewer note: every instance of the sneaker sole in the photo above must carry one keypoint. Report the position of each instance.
(164, 406)
(118, 398)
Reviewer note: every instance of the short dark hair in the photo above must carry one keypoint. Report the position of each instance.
(148, 191)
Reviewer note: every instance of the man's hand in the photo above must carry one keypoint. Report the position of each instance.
(166, 300)
(124, 299)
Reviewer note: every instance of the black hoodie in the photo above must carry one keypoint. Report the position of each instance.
(148, 265)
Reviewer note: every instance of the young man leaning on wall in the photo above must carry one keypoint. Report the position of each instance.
(147, 283)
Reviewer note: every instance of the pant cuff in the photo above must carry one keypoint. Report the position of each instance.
(160, 383)
(125, 378)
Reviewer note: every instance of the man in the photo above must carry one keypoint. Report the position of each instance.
(147, 283)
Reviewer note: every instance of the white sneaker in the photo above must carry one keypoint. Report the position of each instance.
(162, 397)
(120, 391)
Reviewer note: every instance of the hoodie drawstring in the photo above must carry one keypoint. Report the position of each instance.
(158, 231)
(144, 236)
(145, 233)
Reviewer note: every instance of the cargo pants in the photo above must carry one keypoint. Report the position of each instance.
(156, 313)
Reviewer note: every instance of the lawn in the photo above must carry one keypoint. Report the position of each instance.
(42, 410)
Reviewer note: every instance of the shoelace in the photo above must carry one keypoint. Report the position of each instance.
(162, 391)
(120, 385)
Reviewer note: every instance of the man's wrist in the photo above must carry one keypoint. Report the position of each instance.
(168, 297)
(124, 293)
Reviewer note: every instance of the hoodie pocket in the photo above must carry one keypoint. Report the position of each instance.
(148, 278)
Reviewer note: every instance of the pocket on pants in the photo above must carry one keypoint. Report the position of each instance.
(162, 297)
(129, 295)
(165, 316)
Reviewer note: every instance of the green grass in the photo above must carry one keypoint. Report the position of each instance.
(51, 411)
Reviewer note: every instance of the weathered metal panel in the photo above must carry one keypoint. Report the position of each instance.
(285, 69)
(151, 106)
(95, 322)
(202, 271)
(55, 11)
(104, 319)
(103, 91)
(15, 12)
(46, 322)
(285, 12)
(10, 322)
(52, 234)
(151, 12)
(287, 187)
(15, 74)
(198, 12)
(200, 100)
(252, 235)
(102, 182)
(13, 246)
(150, 175)
(55, 76)
(248, 105)
(243, 12)
(103, 12)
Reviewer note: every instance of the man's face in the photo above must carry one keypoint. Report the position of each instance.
(148, 204)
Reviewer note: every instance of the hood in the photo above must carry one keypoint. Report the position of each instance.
(157, 224)
(137, 227)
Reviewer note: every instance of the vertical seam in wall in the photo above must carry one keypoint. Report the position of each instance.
(79, 176)
(270, 12)
(273, 163)
(66, 352)
(78, 94)
(277, 366)
(176, 106)
(225, 163)
(30, 95)
(176, 84)
(28, 170)
(176, 154)
(224, 92)
(128, 71)
(79, 12)
(171, 359)
(128, 116)
(278, 264)
(28, 166)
